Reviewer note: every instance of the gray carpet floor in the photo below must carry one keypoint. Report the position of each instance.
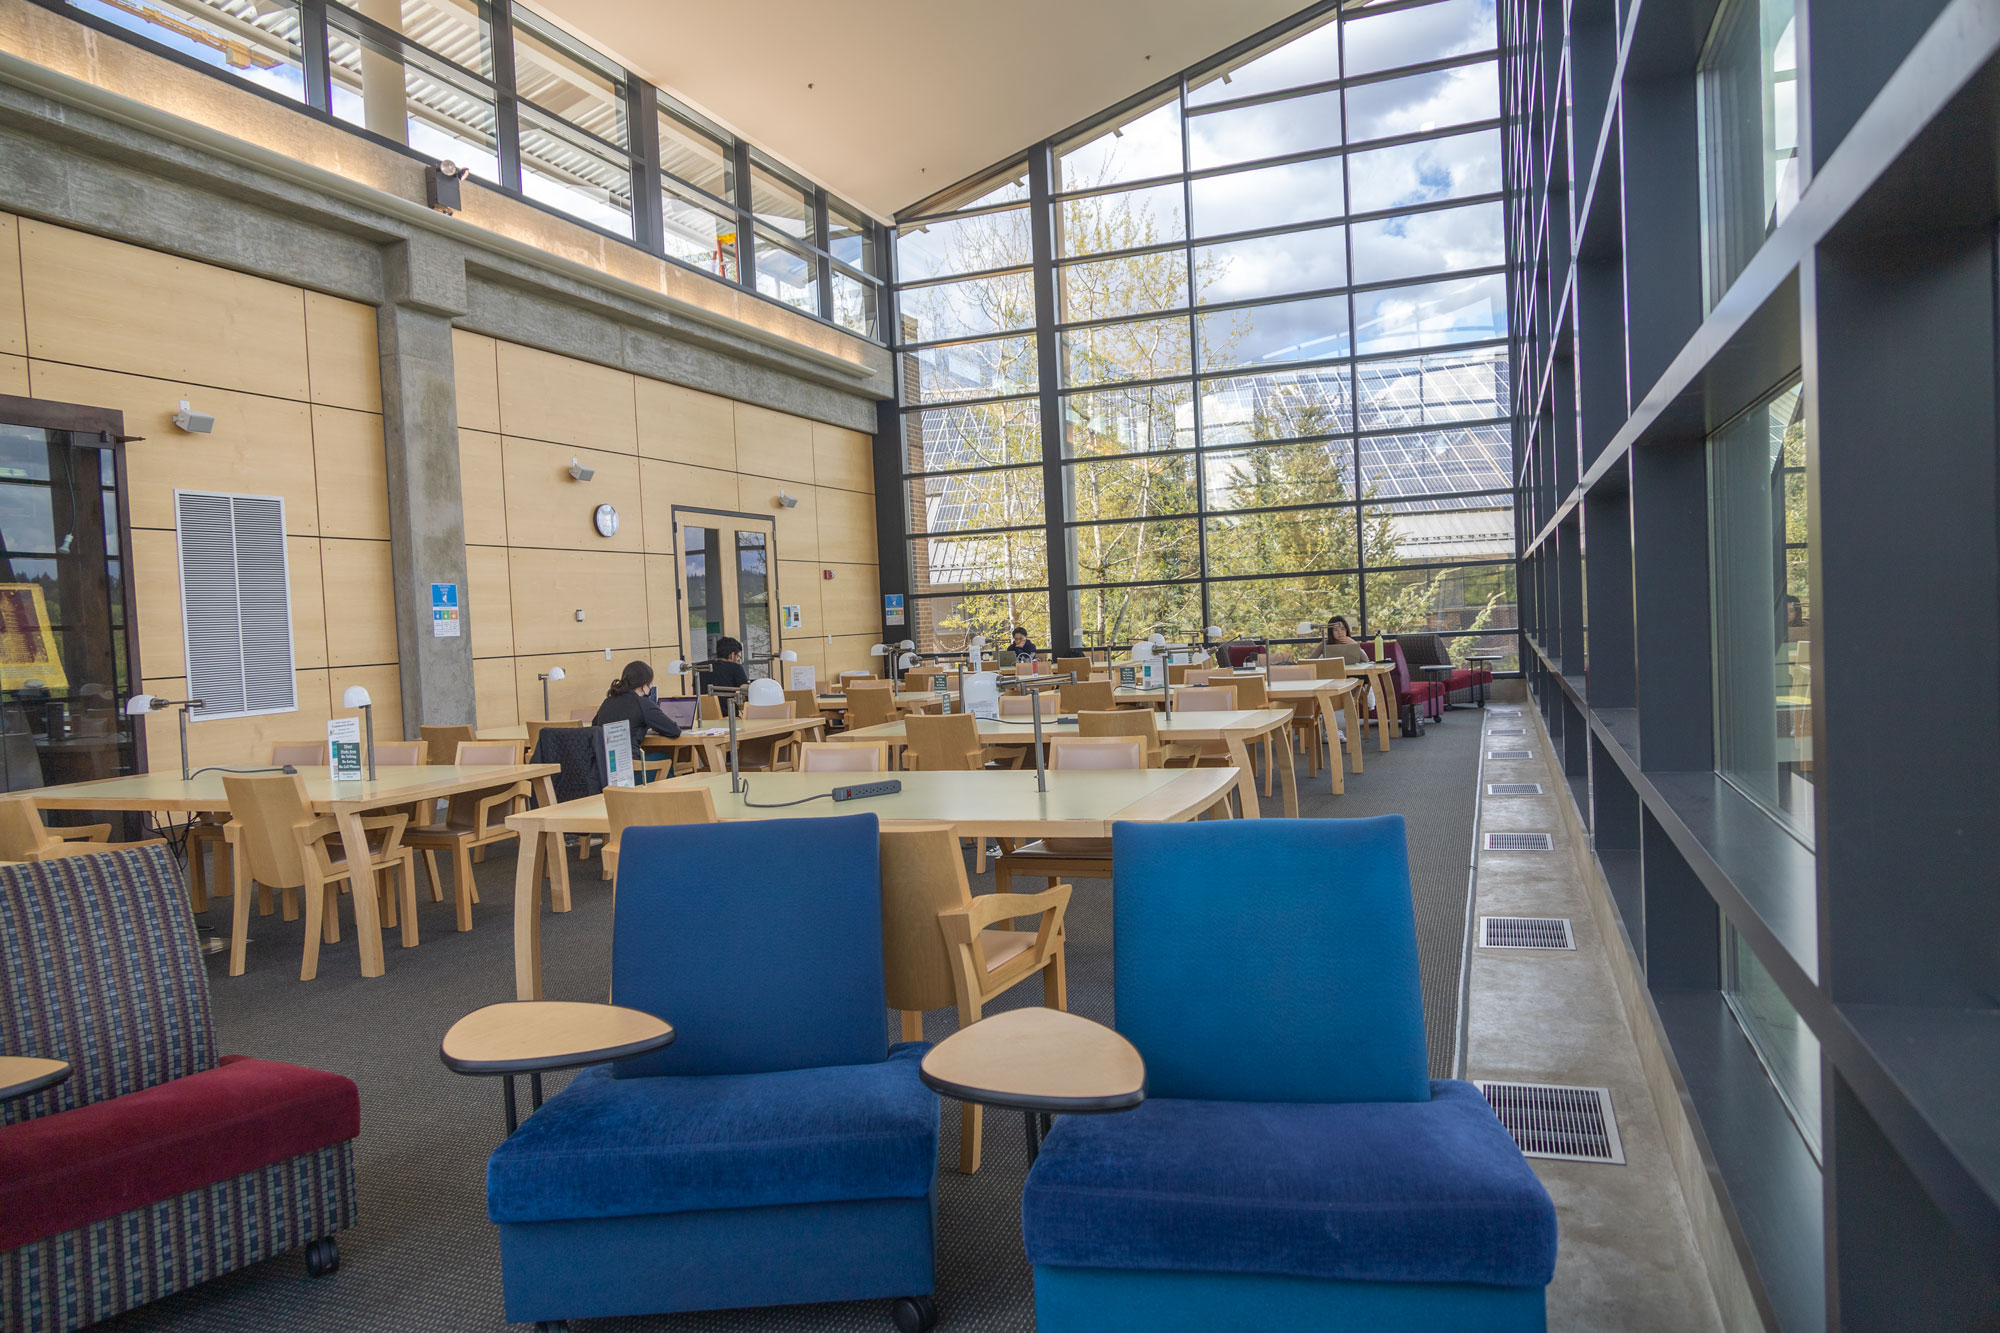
(424, 1257)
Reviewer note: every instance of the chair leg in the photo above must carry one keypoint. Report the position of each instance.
(385, 895)
(315, 909)
(979, 855)
(406, 883)
(969, 1118)
(239, 914)
(330, 921)
(197, 878)
(1269, 766)
(1055, 982)
(461, 875)
(265, 907)
(437, 881)
(913, 1025)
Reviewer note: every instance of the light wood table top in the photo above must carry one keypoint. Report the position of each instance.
(708, 733)
(1037, 1059)
(393, 785)
(992, 804)
(540, 1035)
(25, 1075)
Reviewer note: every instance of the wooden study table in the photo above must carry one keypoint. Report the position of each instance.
(394, 788)
(710, 740)
(1041, 1061)
(1333, 696)
(1381, 678)
(990, 804)
(1238, 730)
(910, 701)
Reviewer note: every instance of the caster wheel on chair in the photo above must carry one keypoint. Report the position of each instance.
(914, 1314)
(322, 1257)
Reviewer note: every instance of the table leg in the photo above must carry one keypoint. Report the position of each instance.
(1246, 776)
(1288, 770)
(528, 913)
(239, 906)
(1357, 730)
(513, 1123)
(367, 913)
(1385, 708)
(1032, 1122)
(1327, 713)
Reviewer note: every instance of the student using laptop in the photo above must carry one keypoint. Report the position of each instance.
(1023, 646)
(1340, 642)
(633, 701)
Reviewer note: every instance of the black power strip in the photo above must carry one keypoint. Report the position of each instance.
(862, 790)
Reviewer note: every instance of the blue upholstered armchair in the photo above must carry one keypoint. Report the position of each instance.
(1293, 1166)
(780, 1151)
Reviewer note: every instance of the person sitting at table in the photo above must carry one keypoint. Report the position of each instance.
(1023, 646)
(1340, 642)
(633, 701)
(725, 667)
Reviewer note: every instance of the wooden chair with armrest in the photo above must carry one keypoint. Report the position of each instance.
(278, 842)
(1140, 722)
(655, 803)
(474, 819)
(949, 743)
(1251, 693)
(1306, 730)
(839, 757)
(939, 946)
(1080, 665)
(441, 743)
(871, 705)
(1056, 858)
(538, 726)
(299, 754)
(204, 835)
(24, 837)
(770, 753)
(1078, 695)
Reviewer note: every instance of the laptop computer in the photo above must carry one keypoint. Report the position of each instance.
(685, 711)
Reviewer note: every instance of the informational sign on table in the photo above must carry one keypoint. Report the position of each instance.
(444, 611)
(892, 608)
(618, 770)
(343, 748)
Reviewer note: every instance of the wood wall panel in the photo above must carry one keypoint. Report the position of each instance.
(475, 370)
(548, 587)
(260, 446)
(14, 375)
(494, 702)
(489, 601)
(343, 355)
(798, 527)
(847, 528)
(156, 586)
(307, 580)
(385, 692)
(547, 508)
(351, 472)
(482, 488)
(798, 582)
(843, 459)
(662, 606)
(94, 302)
(556, 398)
(360, 612)
(664, 485)
(589, 675)
(773, 444)
(851, 601)
(685, 425)
(13, 324)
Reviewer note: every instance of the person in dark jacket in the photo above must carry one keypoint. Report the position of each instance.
(632, 700)
(726, 666)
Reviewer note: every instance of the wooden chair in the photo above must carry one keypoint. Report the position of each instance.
(1077, 695)
(306, 754)
(654, 803)
(441, 743)
(1251, 692)
(280, 844)
(474, 819)
(770, 753)
(1027, 705)
(922, 678)
(1292, 671)
(582, 716)
(838, 757)
(711, 708)
(871, 706)
(24, 837)
(1139, 722)
(1080, 665)
(949, 743)
(1329, 668)
(535, 730)
(1054, 858)
(805, 703)
(1176, 674)
(939, 948)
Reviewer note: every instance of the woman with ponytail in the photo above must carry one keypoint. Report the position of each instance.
(633, 701)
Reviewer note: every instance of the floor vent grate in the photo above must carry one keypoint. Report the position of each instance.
(1570, 1124)
(1506, 731)
(1510, 754)
(1503, 712)
(1513, 789)
(1519, 842)
(1525, 932)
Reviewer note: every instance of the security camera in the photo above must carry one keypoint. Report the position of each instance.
(193, 422)
(578, 472)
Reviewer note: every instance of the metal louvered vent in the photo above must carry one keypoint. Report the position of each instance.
(236, 606)
(1570, 1124)
(1513, 789)
(1510, 754)
(1503, 712)
(1506, 731)
(1525, 932)
(1519, 842)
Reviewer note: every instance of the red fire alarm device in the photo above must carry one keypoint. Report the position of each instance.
(826, 573)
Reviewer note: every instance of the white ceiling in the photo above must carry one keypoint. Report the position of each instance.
(888, 101)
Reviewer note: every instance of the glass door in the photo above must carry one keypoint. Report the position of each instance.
(726, 570)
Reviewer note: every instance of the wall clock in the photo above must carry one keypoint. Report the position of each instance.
(606, 519)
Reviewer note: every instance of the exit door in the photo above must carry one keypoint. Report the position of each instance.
(726, 566)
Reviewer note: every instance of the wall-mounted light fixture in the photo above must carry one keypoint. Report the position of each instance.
(193, 422)
(441, 186)
(578, 472)
(140, 704)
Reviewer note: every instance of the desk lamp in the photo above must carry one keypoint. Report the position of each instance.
(1034, 687)
(731, 695)
(679, 668)
(140, 704)
(357, 697)
(553, 673)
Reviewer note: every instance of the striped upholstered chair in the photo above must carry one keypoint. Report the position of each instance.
(156, 1165)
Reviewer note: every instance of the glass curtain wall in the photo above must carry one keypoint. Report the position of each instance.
(524, 106)
(1264, 355)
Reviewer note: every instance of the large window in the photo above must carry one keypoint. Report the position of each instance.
(1275, 315)
(1760, 521)
(1749, 133)
(570, 130)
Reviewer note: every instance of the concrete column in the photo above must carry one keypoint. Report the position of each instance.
(425, 286)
